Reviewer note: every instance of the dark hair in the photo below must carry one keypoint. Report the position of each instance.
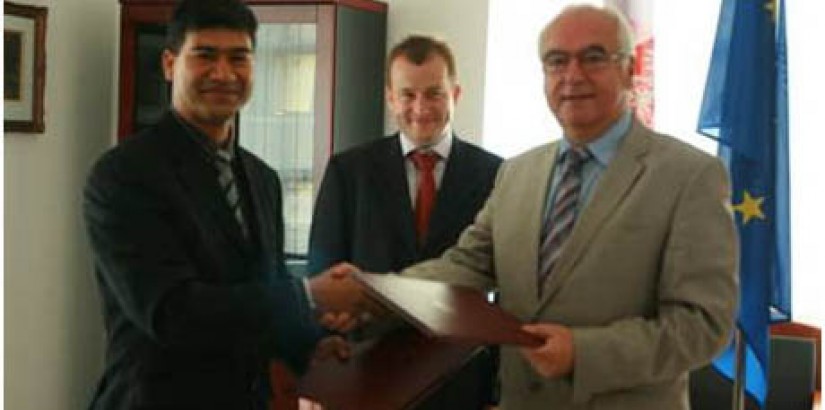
(193, 15)
(418, 49)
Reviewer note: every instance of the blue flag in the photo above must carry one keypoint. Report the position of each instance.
(745, 108)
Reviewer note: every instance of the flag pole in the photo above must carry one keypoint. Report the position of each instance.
(738, 402)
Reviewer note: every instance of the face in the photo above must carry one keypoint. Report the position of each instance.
(585, 96)
(211, 76)
(421, 98)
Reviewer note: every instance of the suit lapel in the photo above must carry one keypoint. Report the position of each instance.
(262, 221)
(521, 221)
(456, 187)
(198, 177)
(391, 180)
(616, 182)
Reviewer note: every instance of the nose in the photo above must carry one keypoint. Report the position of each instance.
(574, 71)
(222, 69)
(419, 104)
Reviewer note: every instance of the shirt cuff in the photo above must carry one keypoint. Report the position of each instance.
(308, 293)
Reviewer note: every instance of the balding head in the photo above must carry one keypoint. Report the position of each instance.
(587, 55)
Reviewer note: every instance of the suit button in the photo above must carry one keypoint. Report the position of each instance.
(534, 386)
(253, 385)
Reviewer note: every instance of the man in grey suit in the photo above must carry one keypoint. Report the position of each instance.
(626, 266)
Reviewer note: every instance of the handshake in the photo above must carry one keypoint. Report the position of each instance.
(341, 300)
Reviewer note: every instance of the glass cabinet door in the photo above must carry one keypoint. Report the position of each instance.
(278, 123)
(151, 89)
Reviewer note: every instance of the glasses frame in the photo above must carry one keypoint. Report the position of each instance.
(580, 58)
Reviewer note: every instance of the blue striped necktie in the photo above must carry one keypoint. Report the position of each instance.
(558, 226)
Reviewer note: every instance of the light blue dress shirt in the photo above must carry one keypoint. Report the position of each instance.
(602, 149)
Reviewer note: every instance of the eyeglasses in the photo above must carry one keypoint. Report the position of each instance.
(590, 59)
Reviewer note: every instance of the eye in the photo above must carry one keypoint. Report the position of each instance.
(435, 94)
(594, 57)
(241, 58)
(206, 55)
(555, 61)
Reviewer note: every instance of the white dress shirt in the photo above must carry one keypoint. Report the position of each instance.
(442, 148)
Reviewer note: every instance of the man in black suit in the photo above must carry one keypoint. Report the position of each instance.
(187, 233)
(366, 210)
(376, 207)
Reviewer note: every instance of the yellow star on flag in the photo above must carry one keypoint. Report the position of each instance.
(750, 207)
(770, 6)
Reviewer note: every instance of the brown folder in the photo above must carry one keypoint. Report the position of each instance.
(449, 311)
(397, 371)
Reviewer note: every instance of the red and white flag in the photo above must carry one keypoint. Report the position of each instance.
(640, 15)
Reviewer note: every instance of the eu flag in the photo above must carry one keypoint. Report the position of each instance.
(745, 108)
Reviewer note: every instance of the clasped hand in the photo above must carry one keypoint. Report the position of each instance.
(554, 358)
(340, 299)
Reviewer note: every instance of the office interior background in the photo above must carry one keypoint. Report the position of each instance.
(53, 335)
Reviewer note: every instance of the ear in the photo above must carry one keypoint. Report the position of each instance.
(388, 95)
(456, 92)
(167, 61)
(628, 74)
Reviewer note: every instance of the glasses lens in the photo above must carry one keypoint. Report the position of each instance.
(556, 62)
(594, 58)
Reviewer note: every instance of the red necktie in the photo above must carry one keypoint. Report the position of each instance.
(425, 197)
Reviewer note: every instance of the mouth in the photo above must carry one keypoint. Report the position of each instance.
(577, 97)
(222, 91)
(213, 87)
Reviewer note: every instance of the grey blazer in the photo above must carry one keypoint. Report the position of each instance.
(647, 280)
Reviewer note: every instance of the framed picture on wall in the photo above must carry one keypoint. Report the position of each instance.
(24, 67)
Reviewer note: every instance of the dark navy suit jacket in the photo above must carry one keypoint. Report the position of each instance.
(364, 215)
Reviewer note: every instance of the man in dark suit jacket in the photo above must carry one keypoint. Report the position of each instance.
(187, 233)
(365, 211)
(369, 209)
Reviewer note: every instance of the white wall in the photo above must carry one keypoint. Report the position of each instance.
(516, 116)
(52, 322)
(463, 25)
(806, 86)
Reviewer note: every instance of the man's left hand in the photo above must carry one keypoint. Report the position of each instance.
(555, 357)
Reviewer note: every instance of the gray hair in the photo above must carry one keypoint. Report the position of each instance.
(625, 33)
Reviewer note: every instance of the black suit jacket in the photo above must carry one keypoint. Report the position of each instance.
(363, 213)
(193, 310)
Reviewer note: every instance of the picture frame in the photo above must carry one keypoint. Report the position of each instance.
(24, 69)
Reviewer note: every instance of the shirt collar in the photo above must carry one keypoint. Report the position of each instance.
(605, 146)
(207, 145)
(442, 147)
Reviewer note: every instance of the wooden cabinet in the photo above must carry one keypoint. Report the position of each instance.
(318, 88)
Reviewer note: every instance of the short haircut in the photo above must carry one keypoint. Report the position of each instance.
(624, 33)
(418, 49)
(194, 15)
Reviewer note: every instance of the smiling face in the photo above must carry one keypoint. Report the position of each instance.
(585, 100)
(211, 78)
(421, 97)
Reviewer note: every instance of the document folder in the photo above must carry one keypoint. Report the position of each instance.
(398, 371)
(439, 309)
